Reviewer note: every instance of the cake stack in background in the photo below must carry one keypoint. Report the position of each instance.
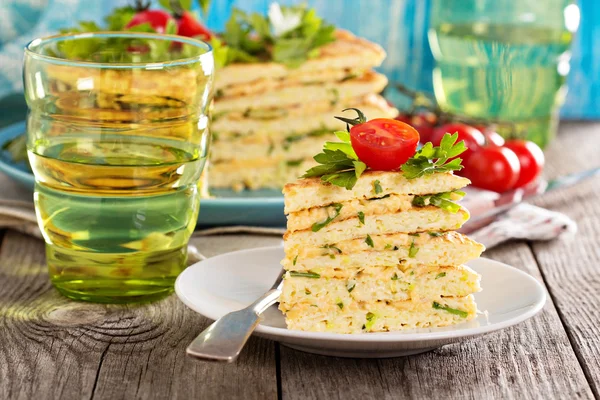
(382, 256)
(261, 109)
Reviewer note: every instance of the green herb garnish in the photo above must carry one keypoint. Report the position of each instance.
(395, 277)
(369, 241)
(116, 21)
(339, 164)
(337, 168)
(413, 250)
(377, 187)
(432, 159)
(445, 201)
(349, 77)
(454, 311)
(380, 198)
(331, 246)
(288, 35)
(115, 49)
(440, 275)
(340, 305)
(306, 291)
(295, 259)
(336, 96)
(298, 274)
(361, 217)
(371, 318)
(435, 234)
(317, 226)
(350, 286)
(294, 163)
(287, 142)
(414, 234)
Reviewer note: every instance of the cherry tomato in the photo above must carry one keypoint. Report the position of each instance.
(384, 144)
(406, 118)
(493, 138)
(424, 123)
(472, 137)
(158, 19)
(531, 158)
(189, 26)
(493, 168)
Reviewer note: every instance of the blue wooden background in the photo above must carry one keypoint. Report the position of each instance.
(400, 26)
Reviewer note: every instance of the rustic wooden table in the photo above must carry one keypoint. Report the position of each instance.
(53, 348)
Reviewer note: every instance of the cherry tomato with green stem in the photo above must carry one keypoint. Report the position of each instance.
(384, 144)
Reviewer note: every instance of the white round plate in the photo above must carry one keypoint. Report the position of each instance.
(232, 281)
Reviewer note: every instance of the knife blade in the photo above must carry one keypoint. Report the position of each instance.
(510, 199)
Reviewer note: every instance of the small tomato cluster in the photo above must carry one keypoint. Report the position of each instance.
(490, 162)
(187, 24)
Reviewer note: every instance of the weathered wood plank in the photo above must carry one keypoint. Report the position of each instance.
(521, 362)
(37, 360)
(571, 266)
(55, 348)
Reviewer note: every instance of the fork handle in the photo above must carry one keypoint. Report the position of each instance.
(225, 338)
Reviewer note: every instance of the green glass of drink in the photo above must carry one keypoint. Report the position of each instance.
(117, 140)
(504, 61)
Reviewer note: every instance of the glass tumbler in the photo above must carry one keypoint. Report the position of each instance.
(504, 61)
(117, 139)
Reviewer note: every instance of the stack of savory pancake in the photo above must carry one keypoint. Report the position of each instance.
(261, 109)
(370, 260)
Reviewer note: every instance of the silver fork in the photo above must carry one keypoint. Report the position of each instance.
(226, 337)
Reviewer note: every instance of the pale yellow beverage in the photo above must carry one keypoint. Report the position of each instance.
(117, 141)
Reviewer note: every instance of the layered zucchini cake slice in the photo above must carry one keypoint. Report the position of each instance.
(270, 118)
(378, 254)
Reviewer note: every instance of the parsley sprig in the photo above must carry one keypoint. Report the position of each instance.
(445, 201)
(339, 164)
(288, 34)
(430, 159)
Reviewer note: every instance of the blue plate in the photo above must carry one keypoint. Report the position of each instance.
(256, 208)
